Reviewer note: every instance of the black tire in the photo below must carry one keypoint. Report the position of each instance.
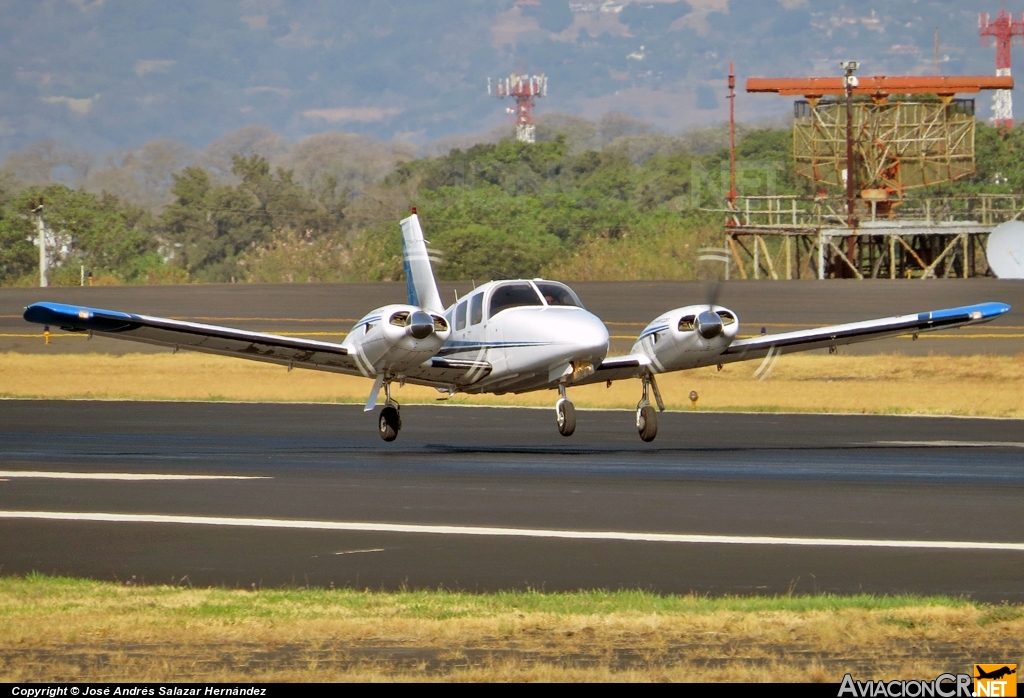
(565, 417)
(390, 423)
(647, 422)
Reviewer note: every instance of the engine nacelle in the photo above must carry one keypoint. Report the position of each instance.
(396, 338)
(688, 337)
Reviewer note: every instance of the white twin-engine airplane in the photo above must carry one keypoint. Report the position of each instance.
(510, 336)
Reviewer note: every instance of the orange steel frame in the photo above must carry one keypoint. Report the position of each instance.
(881, 86)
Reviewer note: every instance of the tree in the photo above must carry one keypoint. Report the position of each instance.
(212, 226)
(103, 234)
(479, 252)
(18, 256)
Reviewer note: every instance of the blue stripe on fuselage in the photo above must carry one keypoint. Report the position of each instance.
(652, 330)
(475, 347)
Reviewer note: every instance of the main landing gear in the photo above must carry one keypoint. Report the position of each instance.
(390, 422)
(646, 417)
(565, 414)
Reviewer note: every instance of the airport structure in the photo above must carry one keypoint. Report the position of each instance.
(523, 89)
(1002, 30)
(867, 143)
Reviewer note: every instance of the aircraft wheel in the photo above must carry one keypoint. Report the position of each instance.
(389, 424)
(647, 422)
(565, 415)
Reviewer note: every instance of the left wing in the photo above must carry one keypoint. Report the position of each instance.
(211, 339)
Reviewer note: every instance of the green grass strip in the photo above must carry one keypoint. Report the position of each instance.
(41, 594)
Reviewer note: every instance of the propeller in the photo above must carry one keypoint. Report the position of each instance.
(707, 324)
(421, 325)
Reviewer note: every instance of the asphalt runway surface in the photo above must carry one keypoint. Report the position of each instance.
(482, 499)
(327, 311)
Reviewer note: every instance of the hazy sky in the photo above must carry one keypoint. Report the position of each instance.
(112, 74)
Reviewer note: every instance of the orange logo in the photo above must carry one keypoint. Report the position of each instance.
(995, 680)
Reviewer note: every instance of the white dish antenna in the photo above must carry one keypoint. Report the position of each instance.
(1006, 250)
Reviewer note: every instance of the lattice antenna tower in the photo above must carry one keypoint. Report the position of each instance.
(524, 89)
(1003, 29)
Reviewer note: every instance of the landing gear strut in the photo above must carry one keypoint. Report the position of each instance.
(390, 422)
(646, 417)
(565, 414)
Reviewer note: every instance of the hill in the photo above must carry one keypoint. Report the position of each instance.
(109, 75)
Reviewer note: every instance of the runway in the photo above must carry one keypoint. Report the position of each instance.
(328, 311)
(482, 499)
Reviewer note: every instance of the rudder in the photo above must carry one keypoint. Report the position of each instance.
(419, 277)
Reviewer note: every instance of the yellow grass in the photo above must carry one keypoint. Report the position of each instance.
(882, 384)
(66, 630)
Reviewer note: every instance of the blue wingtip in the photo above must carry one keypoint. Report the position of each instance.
(54, 313)
(980, 311)
(991, 310)
(76, 316)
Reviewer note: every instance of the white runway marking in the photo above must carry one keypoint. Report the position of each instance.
(353, 552)
(955, 444)
(496, 531)
(51, 475)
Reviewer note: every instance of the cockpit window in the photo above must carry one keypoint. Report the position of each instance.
(512, 296)
(476, 309)
(558, 294)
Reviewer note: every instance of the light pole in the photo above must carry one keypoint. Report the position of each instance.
(44, 262)
(849, 83)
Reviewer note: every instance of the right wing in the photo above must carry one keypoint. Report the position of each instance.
(854, 332)
(636, 365)
(211, 339)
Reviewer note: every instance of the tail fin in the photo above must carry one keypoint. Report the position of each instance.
(419, 277)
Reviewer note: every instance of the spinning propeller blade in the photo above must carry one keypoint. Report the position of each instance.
(708, 324)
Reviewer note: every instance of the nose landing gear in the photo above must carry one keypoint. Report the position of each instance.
(646, 417)
(565, 414)
(390, 421)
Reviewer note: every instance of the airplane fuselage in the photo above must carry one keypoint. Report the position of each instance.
(510, 336)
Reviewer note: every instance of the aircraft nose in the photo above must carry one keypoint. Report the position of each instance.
(588, 333)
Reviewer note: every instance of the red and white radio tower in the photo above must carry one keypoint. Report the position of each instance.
(523, 89)
(1002, 30)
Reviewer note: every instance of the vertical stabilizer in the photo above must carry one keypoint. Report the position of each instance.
(419, 277)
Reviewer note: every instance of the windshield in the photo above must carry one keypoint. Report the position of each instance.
(558, 294)
(512, 296)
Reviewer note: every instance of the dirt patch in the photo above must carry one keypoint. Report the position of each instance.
(882, 384)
